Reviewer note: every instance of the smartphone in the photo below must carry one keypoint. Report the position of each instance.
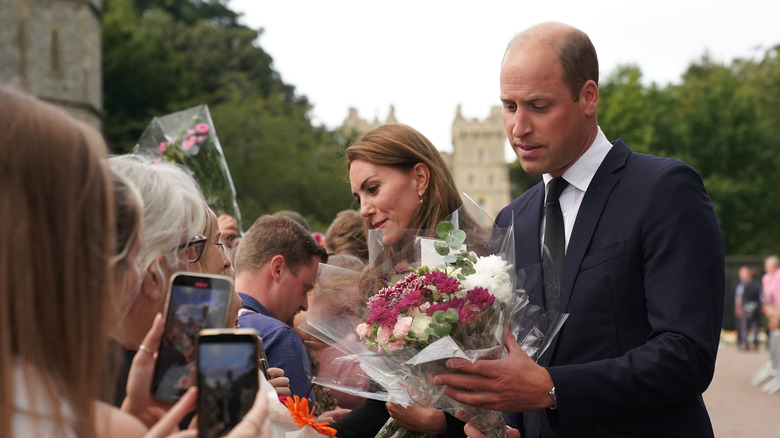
(228, 378)
(195, 302)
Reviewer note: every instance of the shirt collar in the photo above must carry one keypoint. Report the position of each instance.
(582, 171)
(253, 304)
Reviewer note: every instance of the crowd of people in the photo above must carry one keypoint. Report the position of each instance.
(91, 243)
(756, 301)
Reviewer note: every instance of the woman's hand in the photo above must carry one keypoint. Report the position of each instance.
(139, 401)
(334, 415)
(418, 419)
(168, 425)
(472, 432)
(280, 383)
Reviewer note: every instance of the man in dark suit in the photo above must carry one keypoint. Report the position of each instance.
(643, 275)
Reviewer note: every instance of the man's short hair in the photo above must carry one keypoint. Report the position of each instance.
(276, 235)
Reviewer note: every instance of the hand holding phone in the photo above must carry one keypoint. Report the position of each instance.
(228, 378)
(195, 302)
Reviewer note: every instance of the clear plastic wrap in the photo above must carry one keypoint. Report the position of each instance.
(414, 308)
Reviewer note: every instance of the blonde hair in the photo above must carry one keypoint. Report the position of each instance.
(56, 242)
(348, 234)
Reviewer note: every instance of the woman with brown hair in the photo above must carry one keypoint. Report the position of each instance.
(401, 182)
(59, 280)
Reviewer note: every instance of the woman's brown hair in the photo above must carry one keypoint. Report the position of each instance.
(56, 244)
(402, 147)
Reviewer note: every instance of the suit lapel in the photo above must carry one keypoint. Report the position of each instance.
(599, 190)
(527, 229)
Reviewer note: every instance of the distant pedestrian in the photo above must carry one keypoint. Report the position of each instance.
(747, 308)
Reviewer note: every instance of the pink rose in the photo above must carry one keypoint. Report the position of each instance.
(363, 330)
(384, 335)
(163, 147)
(402, 327)
(395, 346)
(202, 138)
(188, 143)
(190, 132)
(201, 128)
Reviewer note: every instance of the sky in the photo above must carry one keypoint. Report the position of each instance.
(426, 57)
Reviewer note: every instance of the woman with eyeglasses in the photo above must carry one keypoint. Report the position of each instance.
(60, 255)
(172, 223)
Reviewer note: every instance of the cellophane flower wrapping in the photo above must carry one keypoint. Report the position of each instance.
(188, 138)
(402, 318)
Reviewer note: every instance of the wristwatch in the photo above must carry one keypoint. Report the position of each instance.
(555, 399)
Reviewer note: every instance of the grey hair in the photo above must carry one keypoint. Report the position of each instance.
(173, 205)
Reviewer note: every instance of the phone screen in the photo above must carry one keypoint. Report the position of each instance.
(195, 302)
(227, 379)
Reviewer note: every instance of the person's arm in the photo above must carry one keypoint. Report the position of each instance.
(680, 278)
(285, 350)
(677, 278)
(363, 421)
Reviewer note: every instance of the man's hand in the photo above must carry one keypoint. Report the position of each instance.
(514, 383)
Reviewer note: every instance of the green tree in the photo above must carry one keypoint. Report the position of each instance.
(162, 56)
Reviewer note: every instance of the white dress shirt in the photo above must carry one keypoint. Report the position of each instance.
(579, 176)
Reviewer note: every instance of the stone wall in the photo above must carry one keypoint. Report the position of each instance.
(51, 48)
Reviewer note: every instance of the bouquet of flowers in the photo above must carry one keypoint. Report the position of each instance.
(453, 294)
(188, 138)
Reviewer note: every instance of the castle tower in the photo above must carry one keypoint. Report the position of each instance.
(51, 48)
(477, 163)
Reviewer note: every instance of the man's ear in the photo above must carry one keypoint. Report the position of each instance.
(589, 96)
(422, 177)
(277, 265)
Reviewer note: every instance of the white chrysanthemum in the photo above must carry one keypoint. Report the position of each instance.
(492, 274)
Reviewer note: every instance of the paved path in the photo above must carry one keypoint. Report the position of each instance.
(737, 408)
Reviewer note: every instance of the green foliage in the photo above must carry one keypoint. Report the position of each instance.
(162, 56)
(724, 121)
(452, 240)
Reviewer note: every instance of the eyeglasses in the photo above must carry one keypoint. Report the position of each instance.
(194, 248)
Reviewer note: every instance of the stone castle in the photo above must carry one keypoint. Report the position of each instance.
(477, 160)
(51, 48)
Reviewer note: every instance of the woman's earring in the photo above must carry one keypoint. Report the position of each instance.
(420, 198)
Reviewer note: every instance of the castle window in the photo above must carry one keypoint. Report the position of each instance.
(56, 63)
(481, 154)
(490, 180)
(471, 180)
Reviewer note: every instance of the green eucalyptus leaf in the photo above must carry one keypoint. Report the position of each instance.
(442, 329)
(441, 248)
(450, 259)
(452, 316)
(444, 228)
(439, 316)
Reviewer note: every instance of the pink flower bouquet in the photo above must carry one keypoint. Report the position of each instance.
(188, 138)
(432, 299)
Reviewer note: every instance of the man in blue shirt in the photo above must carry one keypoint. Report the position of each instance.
(276, 265)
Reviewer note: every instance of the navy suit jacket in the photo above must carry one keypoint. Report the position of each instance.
(643, 283)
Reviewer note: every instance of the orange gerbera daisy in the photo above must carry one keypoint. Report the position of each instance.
(299, 409)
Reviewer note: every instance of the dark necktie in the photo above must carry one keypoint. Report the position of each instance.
(554, 240)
